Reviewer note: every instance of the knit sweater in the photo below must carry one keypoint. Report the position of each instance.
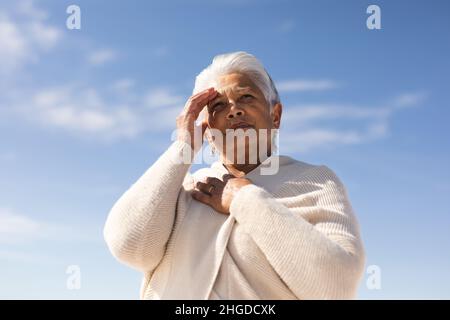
(290, 235)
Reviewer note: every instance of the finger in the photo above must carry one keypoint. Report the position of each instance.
(193, 100)
(210, 180)
(210, 187)
(200, 93)
(202, 96)
(227, 177)
(194, 109)
(200, 196)
(217, 183)
(197, 103)
(202, 186)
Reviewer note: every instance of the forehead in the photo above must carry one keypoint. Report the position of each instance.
(235, 83)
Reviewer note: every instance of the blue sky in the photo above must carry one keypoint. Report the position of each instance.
(83, 113)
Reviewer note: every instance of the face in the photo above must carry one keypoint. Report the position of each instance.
(241, 104)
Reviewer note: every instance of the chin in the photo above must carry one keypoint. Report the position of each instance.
(250, 156)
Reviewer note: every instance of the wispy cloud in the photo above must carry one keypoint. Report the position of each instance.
(24, 42)
(107, 112)
(409, 99)
(15, 227)
(101, 57)
(18, 232)
(305, 85)
(13, 45)
(312, 139)
(307, 113)
(162, 97)
(81, 111)
(28, 257)
(28, 9)
(122, 85)
(22, 229)
(310, 127)
(94, 114)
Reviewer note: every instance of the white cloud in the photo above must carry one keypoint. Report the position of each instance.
(310, 127)
(305, 85)
(409, 99)
(101, 57)
(24, 35)
(311, 139)
(86, 112)
(14, 46)
(123, 85)
(304, 114)
(44, 36)
(15, 227)
(162, 97)
(28, 257)
(82, 111)
(28, 9)
(21, 229)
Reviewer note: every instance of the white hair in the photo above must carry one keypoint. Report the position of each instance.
(238, 62)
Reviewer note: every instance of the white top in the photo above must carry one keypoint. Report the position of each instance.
(291, 235)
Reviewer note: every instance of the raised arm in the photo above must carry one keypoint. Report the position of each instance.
(140, 223)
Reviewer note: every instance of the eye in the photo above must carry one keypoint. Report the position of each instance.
(217, 106)
(246, 97)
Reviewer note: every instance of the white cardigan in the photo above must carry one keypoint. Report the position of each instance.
(292, 235)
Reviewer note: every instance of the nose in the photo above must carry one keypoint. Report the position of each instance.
(235, 112)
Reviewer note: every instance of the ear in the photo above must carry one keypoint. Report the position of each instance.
(276, 115)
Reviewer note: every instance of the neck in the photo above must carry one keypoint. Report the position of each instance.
(239, 170)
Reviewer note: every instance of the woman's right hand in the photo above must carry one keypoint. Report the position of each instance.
(186, 119)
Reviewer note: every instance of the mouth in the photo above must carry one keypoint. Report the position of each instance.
(241, 125)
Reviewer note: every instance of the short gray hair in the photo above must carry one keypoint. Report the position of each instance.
(238, 62)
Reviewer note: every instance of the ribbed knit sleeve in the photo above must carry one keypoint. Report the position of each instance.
(308, 234)
(140, 222)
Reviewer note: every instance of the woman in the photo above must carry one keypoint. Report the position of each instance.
(231, 231)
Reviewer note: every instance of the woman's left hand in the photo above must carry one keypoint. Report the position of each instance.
(217, 193)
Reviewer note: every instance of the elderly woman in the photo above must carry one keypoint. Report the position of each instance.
(230, 231)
